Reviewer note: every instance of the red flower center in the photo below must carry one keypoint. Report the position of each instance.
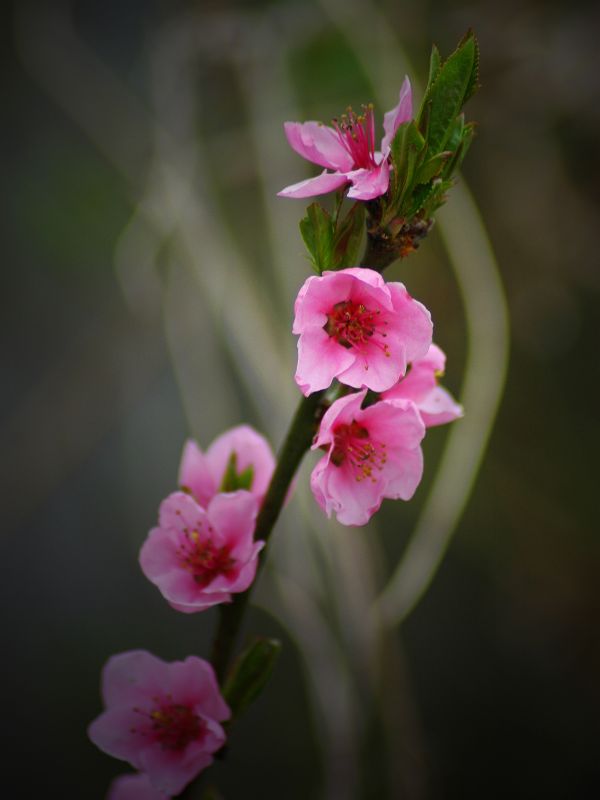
(203, 558)
(354, 325)
(174, 726)
(351, 444)
(357, 135)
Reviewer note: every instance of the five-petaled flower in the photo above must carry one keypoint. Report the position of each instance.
(371, 453)
(357, 328)
(420, 384)
(348, 148)
(163, 718)
(199, 558)
(240, 454)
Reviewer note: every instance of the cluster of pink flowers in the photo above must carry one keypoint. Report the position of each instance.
(203, 549)
(164, 719)
(355, 328)
(368, 334)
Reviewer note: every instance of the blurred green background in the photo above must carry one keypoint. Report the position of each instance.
(148, 277)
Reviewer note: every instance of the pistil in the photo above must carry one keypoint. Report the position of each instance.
(357, 135)
(354, 325)
(172, 725)
(203, 558)
(352, 444)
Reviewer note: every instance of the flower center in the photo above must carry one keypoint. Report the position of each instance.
(357, 135)
(174, 726)
(203, 558)
(351, 444)
(353, 325)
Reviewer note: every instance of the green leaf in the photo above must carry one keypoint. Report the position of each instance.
(467, 134)
(348, 237)
(456, 133)
(456, 81)
(420, 196)
(317, 229)
(234, 480)
(408, 146)
(435, 64)
(439, 198)
(474, 84)
(250, 673)
(432, 167)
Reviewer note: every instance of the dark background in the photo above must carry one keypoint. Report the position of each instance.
(501, 655)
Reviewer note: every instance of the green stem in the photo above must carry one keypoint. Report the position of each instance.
(298, 440)
(299, 437)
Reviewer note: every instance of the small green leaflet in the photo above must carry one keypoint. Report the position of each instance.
(234, 480)
(250, 673)
(317, 230)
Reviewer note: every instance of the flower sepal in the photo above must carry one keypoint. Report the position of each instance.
(250, 674)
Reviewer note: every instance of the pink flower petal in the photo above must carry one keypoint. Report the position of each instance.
(416, 325)
(436, 406)
(439, 407)
(234, 516)
(367, 184)
(374, 369)
(133, 674)
(158, 555)
(415, 385)
(179, 511)
(399, 425)
(178, 586)
(318, 295)
(318, 143)
(406, 475)
(356, 501)
(117, 732)
(320, 359)
(169, 772)
(366, 289)
(321, 184)
(435, 359)
(342, 412)
(400, 113)
(195, 473)
(365, 275)
(194, 683)
(248, 572)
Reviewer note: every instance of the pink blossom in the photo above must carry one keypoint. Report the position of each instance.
(163, 718)
(371, 453)
(420, 385)
(203, 473)
(199, 558)
(348, 148)
(357, 328)
(134, 787)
